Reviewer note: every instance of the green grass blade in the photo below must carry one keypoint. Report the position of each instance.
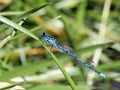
(18, 27)
(93, 47)
(55, 87)
(25, 70)
(28, 13)
(68, 78)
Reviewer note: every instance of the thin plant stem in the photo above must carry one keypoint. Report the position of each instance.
(102, 31)
(68, 78)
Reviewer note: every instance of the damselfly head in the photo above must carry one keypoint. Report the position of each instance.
(43, 34)
(48, 39)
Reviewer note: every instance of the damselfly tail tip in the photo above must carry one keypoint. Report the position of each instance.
(103, 75)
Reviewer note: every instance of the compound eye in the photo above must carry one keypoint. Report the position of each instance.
(43, 34)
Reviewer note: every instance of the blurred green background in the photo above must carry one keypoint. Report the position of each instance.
(91, 28)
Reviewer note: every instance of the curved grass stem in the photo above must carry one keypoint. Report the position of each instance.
(68, 78)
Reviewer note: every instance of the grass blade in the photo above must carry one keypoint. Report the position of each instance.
(28, 13)
(18, 27)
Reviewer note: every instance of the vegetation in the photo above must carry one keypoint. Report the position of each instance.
(89, 27)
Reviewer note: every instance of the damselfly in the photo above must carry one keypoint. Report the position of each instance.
(51, 40)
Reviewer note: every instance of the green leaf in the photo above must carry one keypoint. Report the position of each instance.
(18, 27)
(19, 18)
(93, 47)
(110, 66)
(25, 70)
(55, 87)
